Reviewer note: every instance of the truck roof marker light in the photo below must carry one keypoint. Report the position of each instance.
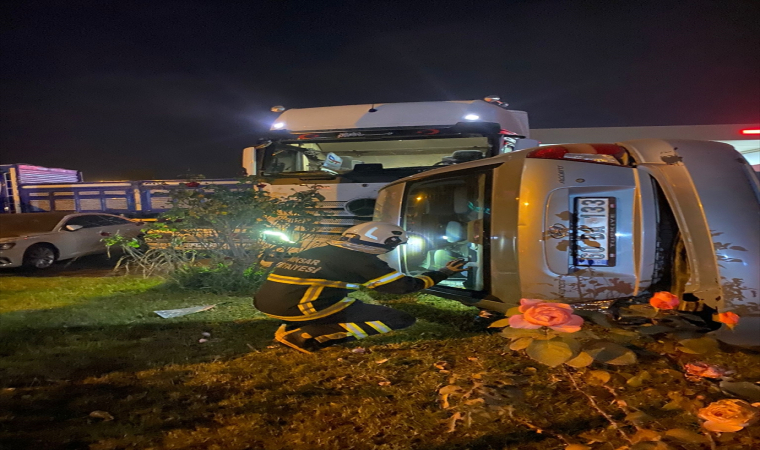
(278, 125)
(495, 100)
(278, 109)
(751, 131)
(472, 117)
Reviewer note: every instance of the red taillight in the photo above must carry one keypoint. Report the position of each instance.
(593, 153)
(551, 152)
(751, 131)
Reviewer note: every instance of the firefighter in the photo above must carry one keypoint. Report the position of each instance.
(309, 291)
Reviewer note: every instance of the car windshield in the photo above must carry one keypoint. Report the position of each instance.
(343, 156)
(12, 225)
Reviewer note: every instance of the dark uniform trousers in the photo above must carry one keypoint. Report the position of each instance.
(309, 293)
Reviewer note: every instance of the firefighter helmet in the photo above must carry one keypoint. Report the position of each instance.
(374, 235)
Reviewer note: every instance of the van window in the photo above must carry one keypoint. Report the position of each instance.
(388, 204)
(446, 219)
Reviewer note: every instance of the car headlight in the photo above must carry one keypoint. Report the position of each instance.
(278, 235)
(7, 245)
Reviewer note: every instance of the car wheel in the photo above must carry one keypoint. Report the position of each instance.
(143, 245)
(40, 256)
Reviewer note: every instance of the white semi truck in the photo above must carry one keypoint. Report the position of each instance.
(352, 151)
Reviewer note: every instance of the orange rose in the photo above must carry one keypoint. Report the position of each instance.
(704, 370)
(729, 318)
(537, 314)
(664, 300)
(727, 416)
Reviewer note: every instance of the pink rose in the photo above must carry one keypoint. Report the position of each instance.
(729, 318)
(663, 300)
(728, 415)
(537, 314)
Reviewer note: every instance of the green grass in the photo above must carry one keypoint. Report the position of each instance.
(71, 346)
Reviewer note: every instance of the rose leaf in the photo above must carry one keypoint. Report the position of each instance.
(638, 311)
(582, 360)
(574, 345)
(551, 353)
(698, 346)
(514, 333)
(744, 389)
(520, 343)
(654, 329)
(638, 380)
(513, 311)
(599, 376)
(644, 435)
(609, 353)
(686, 436)
(597, 317)
(499, 323)
(638, 418)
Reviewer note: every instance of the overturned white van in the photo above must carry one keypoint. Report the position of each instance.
(590, 223)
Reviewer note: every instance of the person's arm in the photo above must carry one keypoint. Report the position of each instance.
(394, 282)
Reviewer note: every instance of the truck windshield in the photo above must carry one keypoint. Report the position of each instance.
(343, 156)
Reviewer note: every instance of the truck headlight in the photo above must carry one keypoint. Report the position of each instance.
(7, 245)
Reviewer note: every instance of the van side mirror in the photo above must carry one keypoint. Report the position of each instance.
(73, 227)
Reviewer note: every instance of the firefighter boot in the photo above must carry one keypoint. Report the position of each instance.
(296, 339)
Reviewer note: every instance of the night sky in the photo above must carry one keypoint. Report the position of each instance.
(163, 88)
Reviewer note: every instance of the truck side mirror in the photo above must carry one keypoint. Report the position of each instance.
(249, 161)
(524, 143)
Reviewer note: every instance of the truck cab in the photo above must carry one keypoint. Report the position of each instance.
(387, 136)
(352, 151)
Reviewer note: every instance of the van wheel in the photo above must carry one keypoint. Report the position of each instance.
(40, 256)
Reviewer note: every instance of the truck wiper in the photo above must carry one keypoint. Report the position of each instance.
(302, 175)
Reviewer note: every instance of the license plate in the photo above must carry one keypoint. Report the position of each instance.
(594, 231)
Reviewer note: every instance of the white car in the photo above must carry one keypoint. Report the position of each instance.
(38, 240)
